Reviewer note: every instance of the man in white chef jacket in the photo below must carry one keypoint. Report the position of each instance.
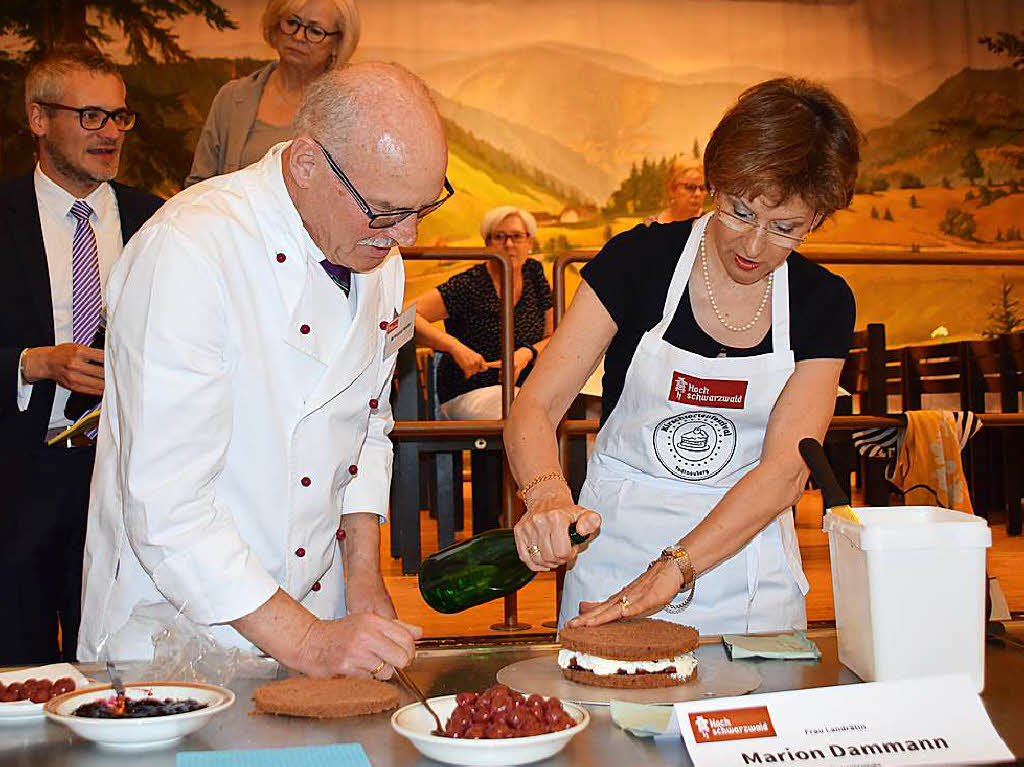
(243, 455)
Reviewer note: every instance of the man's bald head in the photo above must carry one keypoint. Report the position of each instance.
(381, 127)
(372, 110)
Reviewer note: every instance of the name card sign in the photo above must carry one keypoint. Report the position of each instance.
(933, 720)
(400, 330)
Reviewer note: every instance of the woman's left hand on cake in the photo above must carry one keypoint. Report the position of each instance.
(646, 595)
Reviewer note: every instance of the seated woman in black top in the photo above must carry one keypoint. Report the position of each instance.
(722, 349)
(468, 375)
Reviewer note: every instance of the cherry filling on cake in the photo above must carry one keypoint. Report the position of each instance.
(680, 666)
(575, 666)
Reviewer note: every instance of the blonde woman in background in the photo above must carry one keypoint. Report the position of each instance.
(685, 188)
(253, 113)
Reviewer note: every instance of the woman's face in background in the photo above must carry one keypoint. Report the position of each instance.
(296, 49)
(686, 193)
(510, 237)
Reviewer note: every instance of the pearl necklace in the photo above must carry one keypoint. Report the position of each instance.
(711, 296)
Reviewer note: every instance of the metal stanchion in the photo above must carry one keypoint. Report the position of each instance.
(509, 501)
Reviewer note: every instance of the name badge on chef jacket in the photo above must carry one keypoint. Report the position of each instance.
(400, 330)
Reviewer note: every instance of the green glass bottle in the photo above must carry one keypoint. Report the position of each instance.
(485, 567)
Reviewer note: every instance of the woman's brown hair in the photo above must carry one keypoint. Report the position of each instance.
(782, 138)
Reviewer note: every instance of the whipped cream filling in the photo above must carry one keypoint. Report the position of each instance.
(684, 664)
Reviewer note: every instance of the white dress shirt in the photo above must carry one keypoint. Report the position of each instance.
(246, 409)
(58, 225)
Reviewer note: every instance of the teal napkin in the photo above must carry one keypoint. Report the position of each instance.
(793, 646)
(337, 755)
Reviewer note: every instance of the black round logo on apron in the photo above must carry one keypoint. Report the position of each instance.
(695, 446)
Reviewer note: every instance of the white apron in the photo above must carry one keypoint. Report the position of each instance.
(686, 429)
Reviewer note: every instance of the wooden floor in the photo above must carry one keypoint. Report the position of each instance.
(536, 602)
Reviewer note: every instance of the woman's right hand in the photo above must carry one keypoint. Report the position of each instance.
(542, 533)
(469, 361)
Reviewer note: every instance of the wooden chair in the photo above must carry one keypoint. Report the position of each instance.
(428, 473)
(485, 457)
(864, 377)
(943, 373)
(996, 369)
(965, 371)
(937, 369)
(864, 370)
(1013, 457)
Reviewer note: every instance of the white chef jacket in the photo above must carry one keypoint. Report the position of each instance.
(246, 408)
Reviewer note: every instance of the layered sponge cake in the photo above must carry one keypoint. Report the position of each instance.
(636, 652)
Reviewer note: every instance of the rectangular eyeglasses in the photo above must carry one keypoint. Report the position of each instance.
(94, 118)
(384, 220)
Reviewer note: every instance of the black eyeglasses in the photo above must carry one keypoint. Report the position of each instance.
(94, 118)
(384, 220)
(518, 238)
(314, 33)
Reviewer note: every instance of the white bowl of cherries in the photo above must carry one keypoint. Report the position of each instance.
(495, 727)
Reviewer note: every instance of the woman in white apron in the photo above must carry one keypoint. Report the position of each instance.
(696, 468)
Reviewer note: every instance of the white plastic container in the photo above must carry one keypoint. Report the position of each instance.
(909, 589)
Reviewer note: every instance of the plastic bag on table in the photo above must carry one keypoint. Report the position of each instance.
(185, 651)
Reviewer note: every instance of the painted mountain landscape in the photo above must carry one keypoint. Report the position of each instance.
(573, 109)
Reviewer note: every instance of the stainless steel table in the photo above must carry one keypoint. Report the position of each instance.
(451, 670)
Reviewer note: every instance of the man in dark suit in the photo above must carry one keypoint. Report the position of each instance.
(63, 226)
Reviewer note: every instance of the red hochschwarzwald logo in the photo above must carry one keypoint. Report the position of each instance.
(708, 392)
(732, 724)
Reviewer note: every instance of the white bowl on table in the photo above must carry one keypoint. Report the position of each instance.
(415, 723)
(144, 732)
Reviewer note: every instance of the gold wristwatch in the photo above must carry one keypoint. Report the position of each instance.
(679, 556)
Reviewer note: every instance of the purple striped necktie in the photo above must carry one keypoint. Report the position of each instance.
(341, 275)
(86, 291)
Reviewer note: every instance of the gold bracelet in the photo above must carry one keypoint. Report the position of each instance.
(536, 481)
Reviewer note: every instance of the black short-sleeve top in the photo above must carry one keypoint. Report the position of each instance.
(631, 276)
(474, 318)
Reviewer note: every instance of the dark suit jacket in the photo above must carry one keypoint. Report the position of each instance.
(26, 310)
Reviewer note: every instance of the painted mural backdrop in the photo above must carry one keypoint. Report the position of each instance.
(574, 108)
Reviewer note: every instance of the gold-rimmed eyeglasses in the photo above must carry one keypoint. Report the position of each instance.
(742, 225)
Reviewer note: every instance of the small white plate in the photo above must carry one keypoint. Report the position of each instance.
(415, 723)
(22, 711)
(146, 732)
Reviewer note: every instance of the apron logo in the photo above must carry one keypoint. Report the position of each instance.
(695, 446)
(707, 392)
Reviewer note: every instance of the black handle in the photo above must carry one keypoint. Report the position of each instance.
(575, 538)
(814, 456)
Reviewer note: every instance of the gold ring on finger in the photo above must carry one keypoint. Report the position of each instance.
(534, 550)
(378, 669)
(623, 605)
